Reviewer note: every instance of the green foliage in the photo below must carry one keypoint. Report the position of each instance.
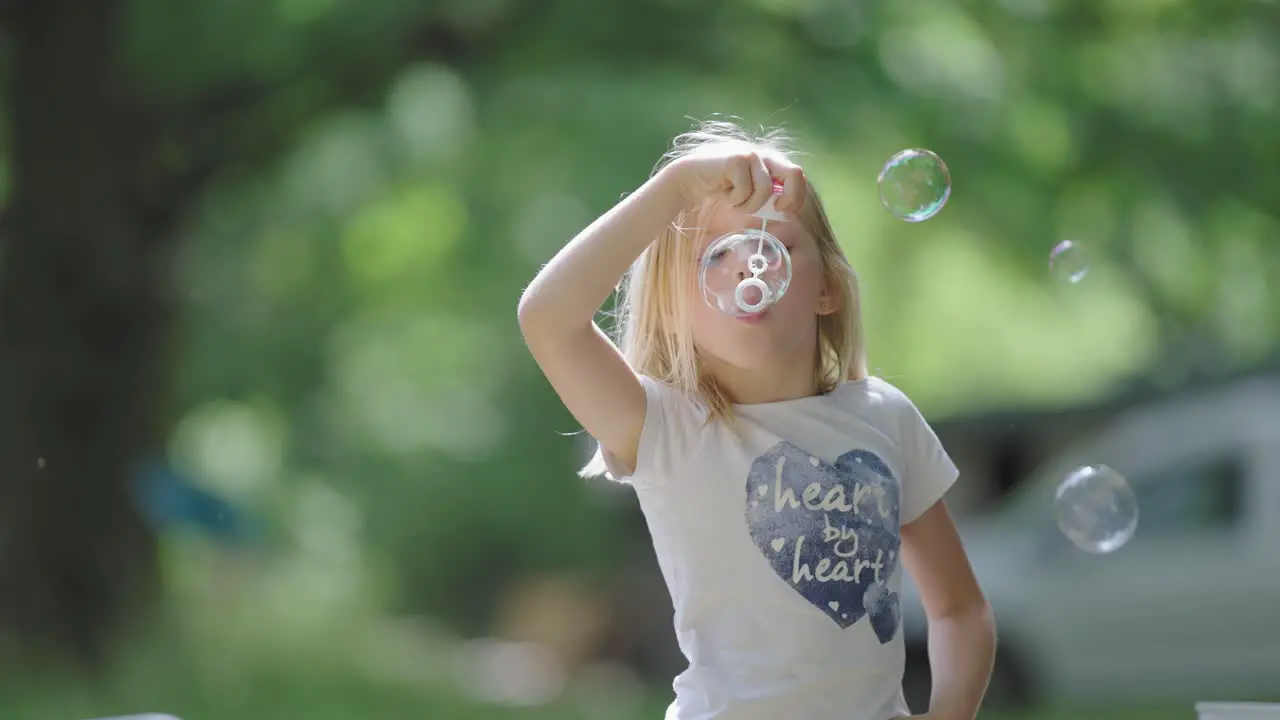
(351, 363)
(362, 291)
(264, 693)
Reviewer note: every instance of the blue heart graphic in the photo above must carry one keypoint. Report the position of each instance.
(829, 531)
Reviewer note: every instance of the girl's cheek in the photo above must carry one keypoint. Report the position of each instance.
(805, 269)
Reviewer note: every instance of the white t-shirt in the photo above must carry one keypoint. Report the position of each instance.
(780, 546)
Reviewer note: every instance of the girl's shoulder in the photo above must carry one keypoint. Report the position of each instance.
(875, 391)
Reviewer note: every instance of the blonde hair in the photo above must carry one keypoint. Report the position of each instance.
(651, 312)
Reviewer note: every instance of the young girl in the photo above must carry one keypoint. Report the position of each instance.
(785, 490)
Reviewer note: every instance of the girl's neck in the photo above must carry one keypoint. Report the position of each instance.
(755, 386)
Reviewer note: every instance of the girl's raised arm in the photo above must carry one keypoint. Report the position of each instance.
(557, 317)
(557, 310)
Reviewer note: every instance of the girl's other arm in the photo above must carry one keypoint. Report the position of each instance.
(557, 316)
(962, 636)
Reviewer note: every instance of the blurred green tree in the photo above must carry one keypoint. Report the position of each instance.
(119, 116)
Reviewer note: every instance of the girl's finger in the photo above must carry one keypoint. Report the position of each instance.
(795, 190)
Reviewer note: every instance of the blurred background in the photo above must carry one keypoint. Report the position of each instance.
(271, 446)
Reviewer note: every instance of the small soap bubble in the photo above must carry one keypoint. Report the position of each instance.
(1069, 261)
(1096, 509)
(40, 463)
(744, 273)
(914, 185)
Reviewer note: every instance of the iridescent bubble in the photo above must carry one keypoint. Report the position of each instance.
(744, 273)
(1096, 509)
(1069, 261)
(914, 185)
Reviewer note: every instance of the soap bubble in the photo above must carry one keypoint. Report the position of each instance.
(744, 273)
(1069, 261)
(914, 185)
(1096, 509)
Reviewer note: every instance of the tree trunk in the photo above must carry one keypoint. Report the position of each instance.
(85, 319)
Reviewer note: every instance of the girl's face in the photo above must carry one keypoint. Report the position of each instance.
(786, 333)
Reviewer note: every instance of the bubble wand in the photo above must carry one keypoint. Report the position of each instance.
(758, 263)
(725, 286)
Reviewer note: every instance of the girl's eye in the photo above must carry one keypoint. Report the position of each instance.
(719, 255)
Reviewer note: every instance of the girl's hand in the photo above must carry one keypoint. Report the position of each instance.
(740, 176)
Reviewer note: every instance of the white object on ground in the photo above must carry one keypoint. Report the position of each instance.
(1238, 710)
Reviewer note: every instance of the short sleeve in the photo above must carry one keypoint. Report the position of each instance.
(929, 470)
(672, 420)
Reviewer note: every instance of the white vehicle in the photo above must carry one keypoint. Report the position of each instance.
(1188, 609)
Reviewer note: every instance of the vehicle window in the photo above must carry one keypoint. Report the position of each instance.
(1194, 496)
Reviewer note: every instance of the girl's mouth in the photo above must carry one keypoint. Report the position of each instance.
(754, 318)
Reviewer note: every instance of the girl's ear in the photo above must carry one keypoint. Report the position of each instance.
(828, 302)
